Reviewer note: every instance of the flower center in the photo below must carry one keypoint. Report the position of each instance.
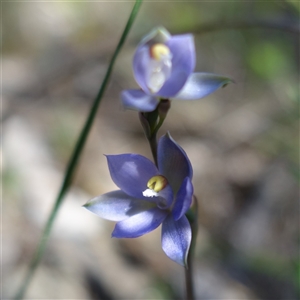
(158, 51)
(155, 185)
(160, 67)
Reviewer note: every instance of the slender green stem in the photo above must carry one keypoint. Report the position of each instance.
(152, 121)
(189, 286)
(74, 159)
(153, 145)
(160, 122)
(153, 139)
(189, 283)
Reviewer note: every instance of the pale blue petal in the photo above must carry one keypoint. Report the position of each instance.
(141, 62)
(173, 162)
(138, 100)
(131, 173)
(139, 224)
(183, 199)
(174, 84)
(176, 239)
(200, 85)
(116, 206)
(182, 48)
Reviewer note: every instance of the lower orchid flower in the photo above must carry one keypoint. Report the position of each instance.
(163, 67)
(150, 196)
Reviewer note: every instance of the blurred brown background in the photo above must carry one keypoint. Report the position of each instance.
(242, 141)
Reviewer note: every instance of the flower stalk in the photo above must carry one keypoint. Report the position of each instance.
(151, 123)
(153, 146)
(192, 216)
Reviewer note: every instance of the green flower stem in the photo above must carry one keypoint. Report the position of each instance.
(74, 159)
(192, 216)
(153, 145)
(153, 139)
(152, 121)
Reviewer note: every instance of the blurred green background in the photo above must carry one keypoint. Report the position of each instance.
(243, 142)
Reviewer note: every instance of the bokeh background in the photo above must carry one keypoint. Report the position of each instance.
(242, 140)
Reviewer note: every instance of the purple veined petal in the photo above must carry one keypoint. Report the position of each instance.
(131, 173)
(176, 238)
(138, 100)
(139, 224)
(173, 162)
(182, 48)
(117, 206)
(183, 199)
(200, 85)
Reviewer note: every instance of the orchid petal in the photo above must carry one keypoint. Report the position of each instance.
(139, 224)
(182, 48)
(141, 62)
(173, 162)
(176, 239)
(183, 199)
(138, 100)
(131, 173)
(116, 206)
(200, 85)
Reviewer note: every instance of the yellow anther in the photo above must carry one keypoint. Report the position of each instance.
(157, 51)
(157, 183)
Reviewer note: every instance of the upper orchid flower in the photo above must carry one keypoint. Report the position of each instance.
(163, 67)
(150, 196)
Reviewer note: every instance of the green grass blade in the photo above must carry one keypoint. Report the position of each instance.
(74, 159)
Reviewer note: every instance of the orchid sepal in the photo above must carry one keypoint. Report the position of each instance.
(200, 85)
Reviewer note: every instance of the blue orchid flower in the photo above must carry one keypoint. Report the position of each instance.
(163, 67)
(150, 196)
